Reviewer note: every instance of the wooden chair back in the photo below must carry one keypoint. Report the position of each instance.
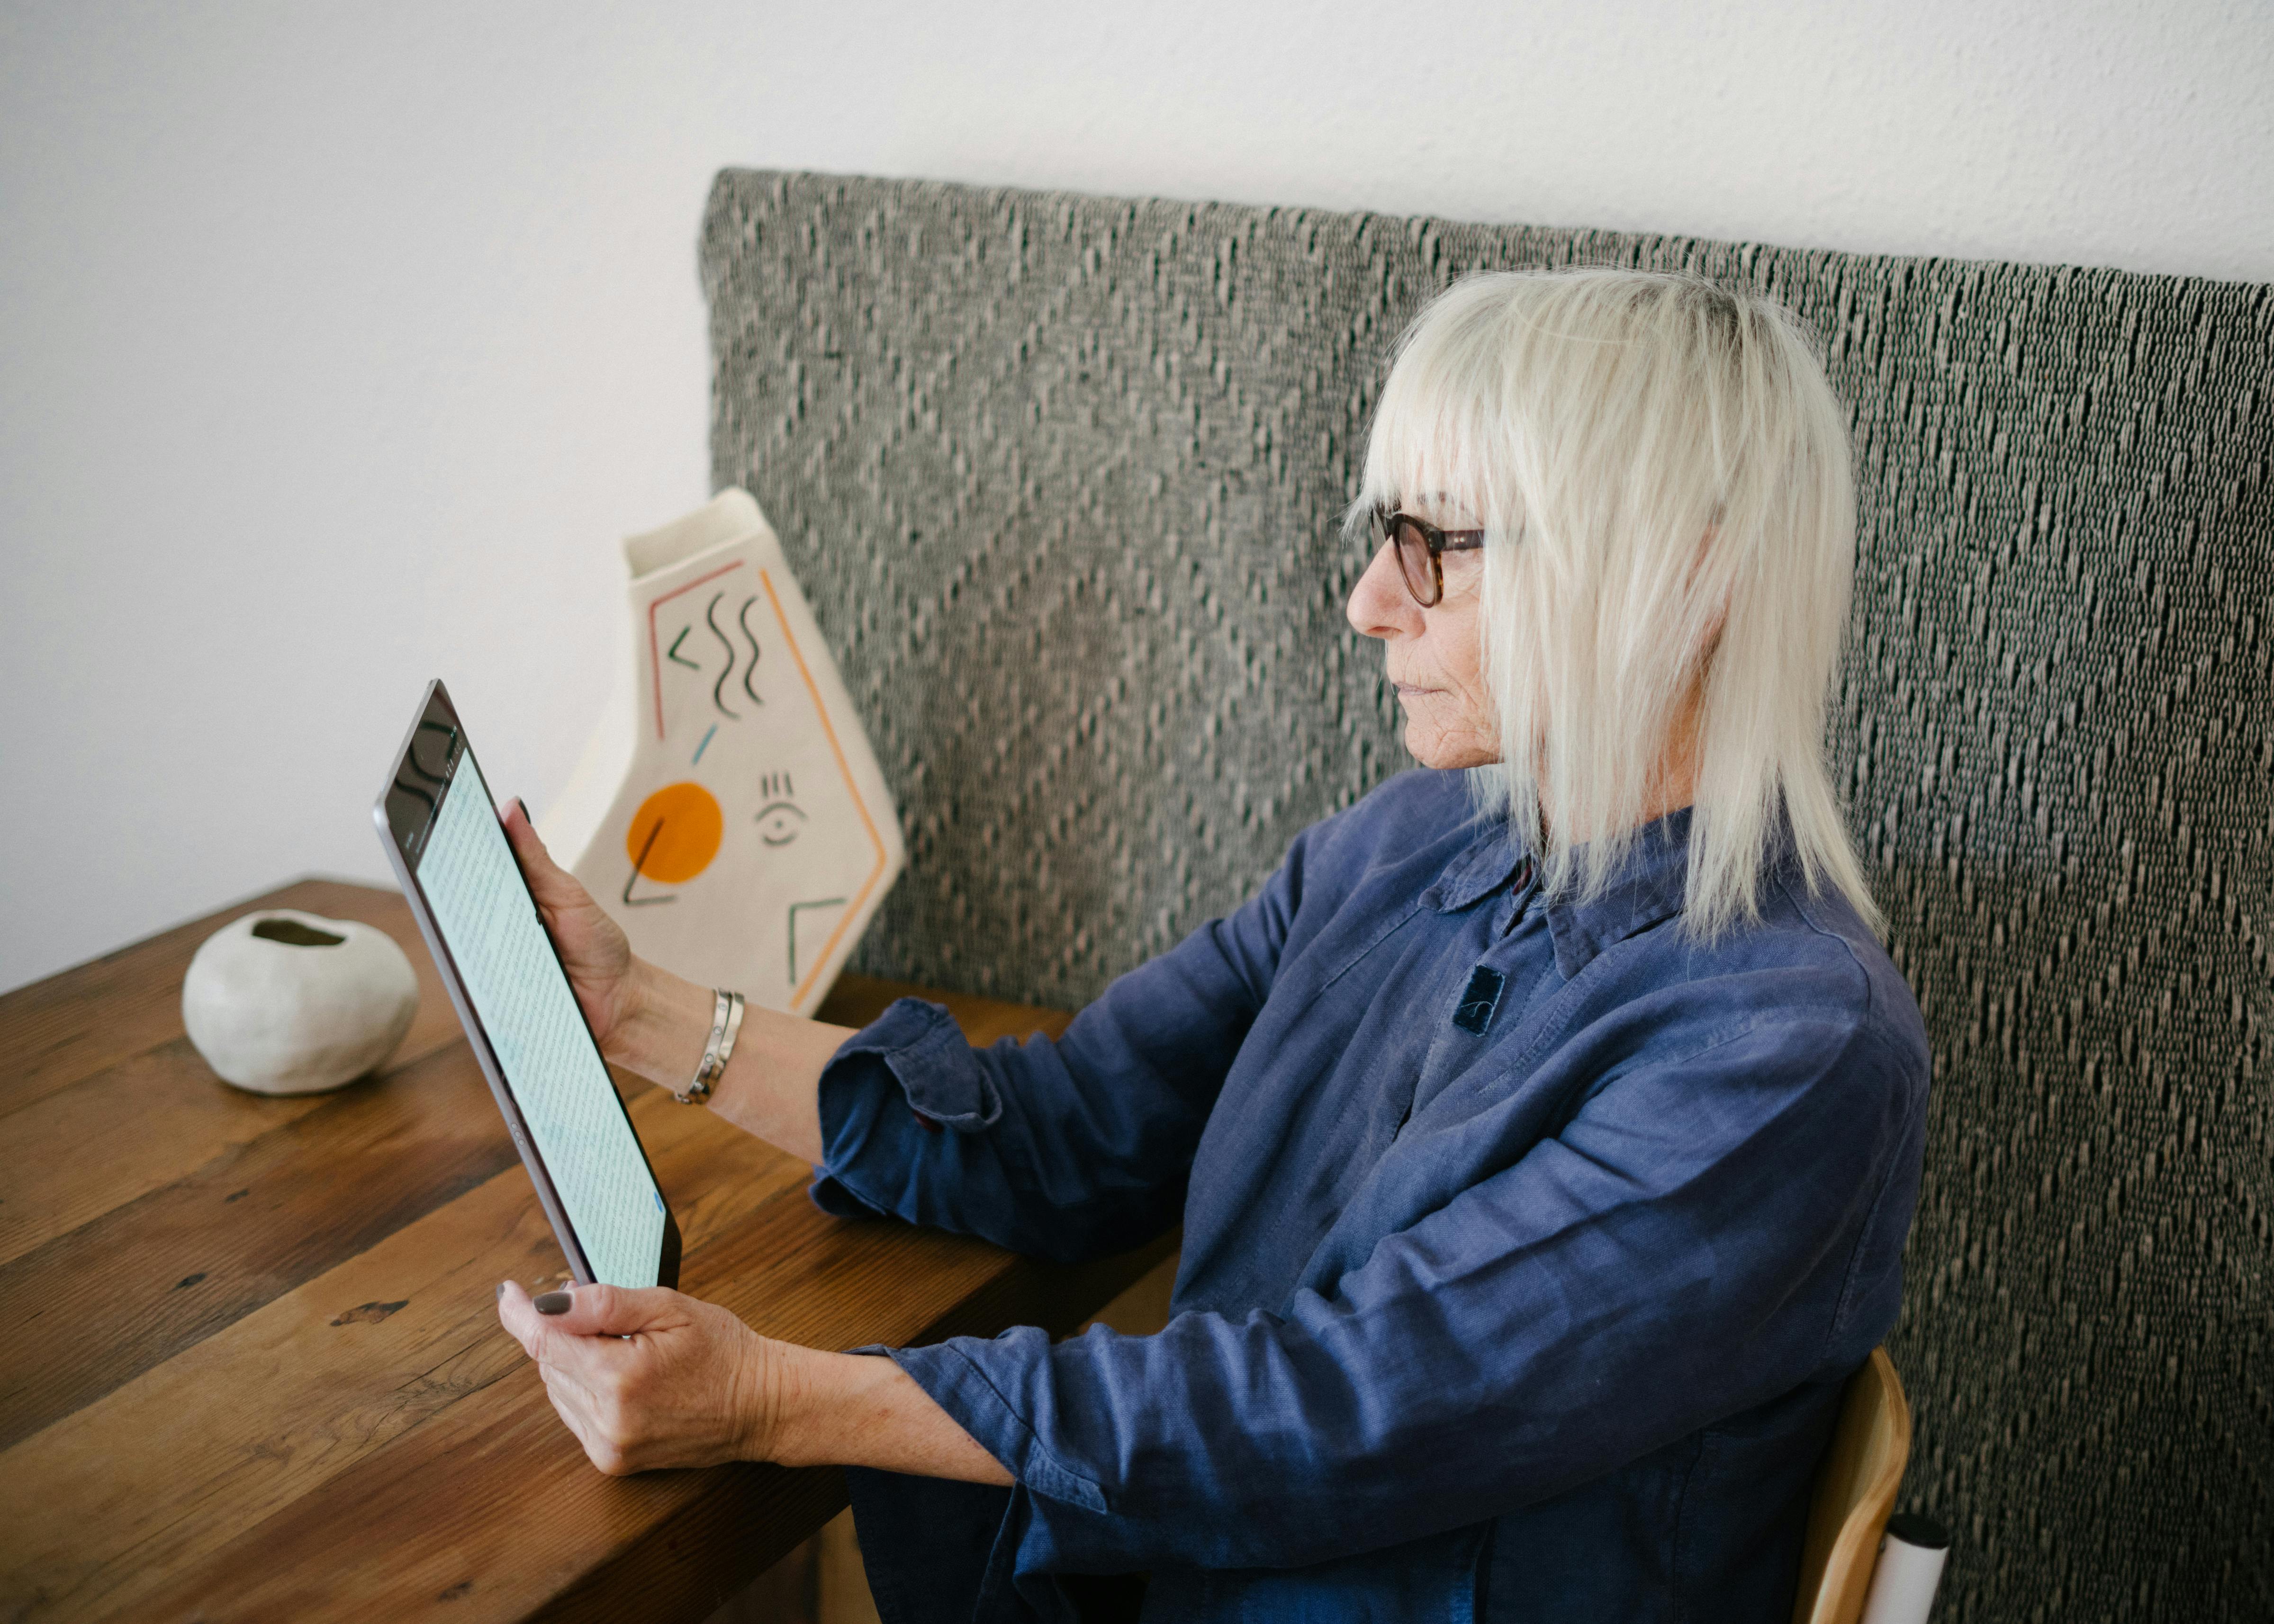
(1854, 1493)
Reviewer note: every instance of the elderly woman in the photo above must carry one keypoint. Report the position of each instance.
(1545, 1131)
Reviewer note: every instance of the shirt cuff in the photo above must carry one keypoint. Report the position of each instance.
(908, 1073)
(958, 1383)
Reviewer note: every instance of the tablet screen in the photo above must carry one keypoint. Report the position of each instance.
(522, 999)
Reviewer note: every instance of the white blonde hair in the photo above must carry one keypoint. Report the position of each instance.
(1664, 478)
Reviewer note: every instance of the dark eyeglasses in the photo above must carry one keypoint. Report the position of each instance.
(1422, 548)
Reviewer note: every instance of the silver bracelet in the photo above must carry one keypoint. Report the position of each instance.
(726, 1024)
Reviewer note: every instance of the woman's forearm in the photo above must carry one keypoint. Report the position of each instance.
(772, 1081)
(859, 1410)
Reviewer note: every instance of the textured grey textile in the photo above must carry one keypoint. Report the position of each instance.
(1064, 475)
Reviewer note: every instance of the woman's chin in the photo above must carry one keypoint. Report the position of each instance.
(1430, 748)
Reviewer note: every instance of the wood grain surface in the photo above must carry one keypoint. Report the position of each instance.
(250, 1362)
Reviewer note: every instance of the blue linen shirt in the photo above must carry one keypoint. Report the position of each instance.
(1528, 1246)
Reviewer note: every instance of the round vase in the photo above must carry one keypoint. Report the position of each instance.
(282, 1002)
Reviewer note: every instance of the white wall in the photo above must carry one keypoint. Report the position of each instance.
(339, 344)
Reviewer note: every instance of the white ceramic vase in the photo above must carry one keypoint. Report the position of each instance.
(730, 775)
(288, 1003)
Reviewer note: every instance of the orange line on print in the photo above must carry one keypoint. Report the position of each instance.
(859, 805)
(654, 658)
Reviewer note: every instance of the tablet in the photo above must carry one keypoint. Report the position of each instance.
(441, 832)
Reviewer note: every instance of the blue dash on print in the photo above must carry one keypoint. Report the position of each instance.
(705, 745)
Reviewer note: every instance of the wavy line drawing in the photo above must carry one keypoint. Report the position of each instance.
(743, 618)
(655, 637)
(717, 688)
(673, 654)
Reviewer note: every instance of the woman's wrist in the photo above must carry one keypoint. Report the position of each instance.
(659, 1033)
(808, 1408)
(785, 1424)
(769, 1088)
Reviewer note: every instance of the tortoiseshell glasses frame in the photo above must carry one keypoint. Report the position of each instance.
(1422, 548)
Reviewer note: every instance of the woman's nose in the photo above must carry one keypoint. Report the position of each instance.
(1379, 605)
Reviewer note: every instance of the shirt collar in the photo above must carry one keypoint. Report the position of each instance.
(1647, 888)
(1482, 867)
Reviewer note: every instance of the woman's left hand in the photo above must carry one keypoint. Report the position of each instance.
(650, 1377)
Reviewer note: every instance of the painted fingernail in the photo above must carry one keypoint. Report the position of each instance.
(500, 1291)
(553, 1303)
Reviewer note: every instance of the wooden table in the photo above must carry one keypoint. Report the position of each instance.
(250, 1362)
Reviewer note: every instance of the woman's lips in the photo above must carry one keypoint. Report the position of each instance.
(1413, 690)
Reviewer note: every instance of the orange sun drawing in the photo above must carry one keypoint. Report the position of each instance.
(675, 833)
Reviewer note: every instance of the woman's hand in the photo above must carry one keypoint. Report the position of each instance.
(592, 947)
(650, 1377)
(654, 1378)
(654, 1024)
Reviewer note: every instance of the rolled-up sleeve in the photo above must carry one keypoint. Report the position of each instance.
(1063, 1149)
(1678, 1253)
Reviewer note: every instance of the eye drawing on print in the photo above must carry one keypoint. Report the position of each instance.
(741, 744)
(781, 819)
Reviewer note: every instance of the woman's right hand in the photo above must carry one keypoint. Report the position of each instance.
(592, 947)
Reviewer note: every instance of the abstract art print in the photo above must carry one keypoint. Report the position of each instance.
(729, 812)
